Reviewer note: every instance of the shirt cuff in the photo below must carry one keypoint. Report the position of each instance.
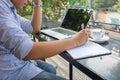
(24, 48)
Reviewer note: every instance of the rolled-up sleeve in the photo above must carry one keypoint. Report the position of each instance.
(13, 38)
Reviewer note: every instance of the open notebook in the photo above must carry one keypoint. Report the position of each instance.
(74, 21)
(89, 50)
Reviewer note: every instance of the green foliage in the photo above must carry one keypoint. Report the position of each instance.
(26, 10)
(103, 3)
(53, 8)
(117, 6)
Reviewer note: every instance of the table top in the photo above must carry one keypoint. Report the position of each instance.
(103, 67)
(106, 66)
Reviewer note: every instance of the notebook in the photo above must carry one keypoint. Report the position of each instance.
(89, 50)
(74, 21)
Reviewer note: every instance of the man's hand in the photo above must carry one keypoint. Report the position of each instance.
(80, 38)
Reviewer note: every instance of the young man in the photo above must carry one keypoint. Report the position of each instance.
(17, 49)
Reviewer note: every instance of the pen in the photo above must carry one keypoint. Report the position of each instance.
(82, 26)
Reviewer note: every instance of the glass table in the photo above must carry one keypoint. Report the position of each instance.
(97, 68)
(107, 67)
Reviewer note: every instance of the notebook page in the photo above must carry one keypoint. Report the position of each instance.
(90, 49)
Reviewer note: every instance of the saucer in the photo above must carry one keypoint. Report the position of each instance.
(102, 40)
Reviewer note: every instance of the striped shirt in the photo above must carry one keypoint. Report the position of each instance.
(15, 44)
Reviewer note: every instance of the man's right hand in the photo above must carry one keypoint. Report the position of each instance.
(80, 38)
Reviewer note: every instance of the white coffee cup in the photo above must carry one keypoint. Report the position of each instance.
(97, 34)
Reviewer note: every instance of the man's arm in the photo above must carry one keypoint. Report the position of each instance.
(42, 50)
(37, 16)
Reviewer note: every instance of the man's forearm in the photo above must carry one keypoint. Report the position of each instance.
(42, 50)
(37, 16)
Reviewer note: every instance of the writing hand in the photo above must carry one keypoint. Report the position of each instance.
(80, 38)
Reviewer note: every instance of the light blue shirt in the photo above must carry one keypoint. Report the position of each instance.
(15, 44)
